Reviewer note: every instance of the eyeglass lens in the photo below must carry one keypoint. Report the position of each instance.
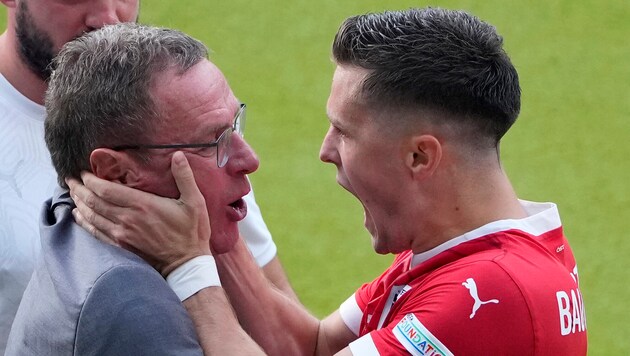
(224, 144)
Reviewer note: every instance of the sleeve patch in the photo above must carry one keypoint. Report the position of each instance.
(417, 339)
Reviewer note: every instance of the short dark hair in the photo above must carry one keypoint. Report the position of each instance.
(435, 59)
(99, 91)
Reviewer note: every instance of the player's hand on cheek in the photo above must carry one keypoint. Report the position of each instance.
(165, 232)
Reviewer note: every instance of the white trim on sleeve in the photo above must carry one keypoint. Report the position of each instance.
(351, 314)
(364, 346)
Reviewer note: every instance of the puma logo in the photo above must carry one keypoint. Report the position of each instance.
(472, 288)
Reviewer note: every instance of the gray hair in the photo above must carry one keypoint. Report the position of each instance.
(99, 91)
(437, 59)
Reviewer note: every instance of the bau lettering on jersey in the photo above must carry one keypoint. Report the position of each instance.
(571, 309)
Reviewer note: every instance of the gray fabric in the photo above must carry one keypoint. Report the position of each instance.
(89, 298)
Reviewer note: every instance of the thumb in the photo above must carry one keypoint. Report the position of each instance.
(184, 178)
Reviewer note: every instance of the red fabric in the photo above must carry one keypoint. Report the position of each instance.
(532, 277)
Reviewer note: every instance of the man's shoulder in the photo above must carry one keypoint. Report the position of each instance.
(519, 285)
(134, 306)
(136, 279)
(75, 261)
(129, 293)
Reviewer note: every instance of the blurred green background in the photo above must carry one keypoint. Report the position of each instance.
(570, 145)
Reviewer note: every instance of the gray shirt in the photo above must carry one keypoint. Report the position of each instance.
(89, 298)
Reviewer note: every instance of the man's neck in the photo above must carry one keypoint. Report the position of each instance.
(475, 202)
(17, 72)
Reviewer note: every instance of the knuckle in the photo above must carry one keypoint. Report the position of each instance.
(90, 201)
(92, 230)
(125, 220)
(118, 235)
(89, 216)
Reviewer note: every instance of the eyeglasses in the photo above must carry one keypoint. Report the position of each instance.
(222, 144)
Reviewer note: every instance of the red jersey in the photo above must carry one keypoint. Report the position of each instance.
(508, 287)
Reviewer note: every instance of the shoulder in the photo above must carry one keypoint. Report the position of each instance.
(496, 301)
(133, 305)
(464, 309)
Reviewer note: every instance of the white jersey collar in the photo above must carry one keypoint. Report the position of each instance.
(542, 217)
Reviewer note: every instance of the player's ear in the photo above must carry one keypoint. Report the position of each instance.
(114, 166)
(423, 155)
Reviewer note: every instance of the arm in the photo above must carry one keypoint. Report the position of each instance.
(216, 324)
(278, 323)
(258, 238)
(274, 272)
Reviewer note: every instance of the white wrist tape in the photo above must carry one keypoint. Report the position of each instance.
(193, 276)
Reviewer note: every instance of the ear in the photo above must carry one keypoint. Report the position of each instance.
(424, 156)
(114, 166)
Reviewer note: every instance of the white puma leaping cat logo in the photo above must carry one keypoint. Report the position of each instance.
(472, 287)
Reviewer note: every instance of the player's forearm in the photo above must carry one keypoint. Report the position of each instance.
(217, 328)
(276, 322)
(276, 275)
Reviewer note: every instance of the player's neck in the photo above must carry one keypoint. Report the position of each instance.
(467, 205)
(484, 199)
(16, 72)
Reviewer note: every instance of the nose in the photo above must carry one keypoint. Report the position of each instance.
(328, 152)
(108, 12)
(243, 159)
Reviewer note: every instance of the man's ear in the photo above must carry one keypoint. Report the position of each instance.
(114, 166)
(424, 155)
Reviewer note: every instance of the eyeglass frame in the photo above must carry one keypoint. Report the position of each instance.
(239, 119)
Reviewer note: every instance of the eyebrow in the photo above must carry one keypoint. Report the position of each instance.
(336, 123)
(332, 120)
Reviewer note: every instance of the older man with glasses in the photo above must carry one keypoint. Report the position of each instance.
(128, 103)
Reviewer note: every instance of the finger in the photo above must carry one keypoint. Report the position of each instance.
(111, 192)
(91, 220)
(90, 204)
(184, 178)
(77, 190)
(81, 221)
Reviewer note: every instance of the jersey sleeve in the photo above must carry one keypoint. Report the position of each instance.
(255, 232)
(131, 311)
(475, 309)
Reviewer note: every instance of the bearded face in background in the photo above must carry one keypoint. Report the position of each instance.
(34, 45)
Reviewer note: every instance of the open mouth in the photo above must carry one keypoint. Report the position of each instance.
(238, 204)
(239, 208)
